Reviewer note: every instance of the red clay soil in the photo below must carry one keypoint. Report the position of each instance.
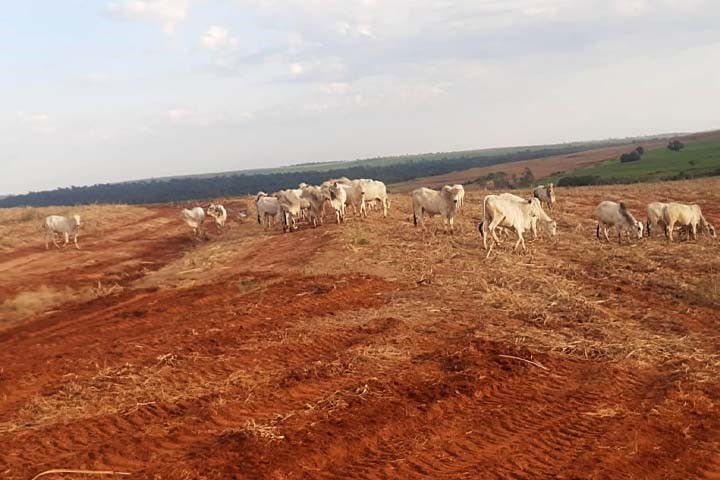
(286, 361)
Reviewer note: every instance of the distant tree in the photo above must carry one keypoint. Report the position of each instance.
(633, 156)
(580, 181)
(526, 179)
(675, 145)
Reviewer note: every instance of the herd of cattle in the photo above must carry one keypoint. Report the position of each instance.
(503, 212)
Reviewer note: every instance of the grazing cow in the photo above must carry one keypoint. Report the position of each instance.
(461, 197)
(268, 210)
(338, 198)
(546, 194)
(689, 216)
(536, 213)
(375, 191)
(64, 226)
(655, 217)
(290, 209)
(219, 214)
(511, 212)
(194, 219)
(433, 202)
(610, 214)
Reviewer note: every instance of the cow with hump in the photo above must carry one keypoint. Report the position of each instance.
(612, 214)
(433, 202)
(530, 218)
(64, 226)
(510, 212)
(689, 216)
(194, 219)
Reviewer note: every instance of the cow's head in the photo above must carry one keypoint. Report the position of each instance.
(451, 193)
(639, 229)
(552, 226)
(77, 221)
(711, 229)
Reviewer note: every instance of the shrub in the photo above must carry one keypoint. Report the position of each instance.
(675, 145)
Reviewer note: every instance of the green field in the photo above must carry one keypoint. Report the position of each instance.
(695, 160)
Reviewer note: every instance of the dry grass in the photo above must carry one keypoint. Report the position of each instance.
(124, 389)
(22, 226)
(571, 294)
(28, 303)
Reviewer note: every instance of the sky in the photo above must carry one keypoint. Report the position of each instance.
(112, 90)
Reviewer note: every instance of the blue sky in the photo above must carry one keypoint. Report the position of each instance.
(112, 90)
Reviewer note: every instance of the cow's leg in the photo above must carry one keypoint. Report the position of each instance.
(669, 230)
(693, 230)
(75, 241)
(533, 227)
(520, 241)
(47, 240)
(491, 228)
(605, 232)
(385, 207)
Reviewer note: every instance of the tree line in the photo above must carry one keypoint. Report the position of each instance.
(197, 188)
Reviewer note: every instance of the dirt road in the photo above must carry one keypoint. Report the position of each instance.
(367, 350)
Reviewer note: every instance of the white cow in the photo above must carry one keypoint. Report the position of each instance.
(64, 226)
(338, 198)
(219, 214)
(461, 197)
(375, 191)
(611, 214)
(511, 212)
(316, 198)
(268, 210)
(304, 203)
(536, 213)
(546, 194)
(194, 219)
(355, 195)
(689, 216)
(655, 217)
(290, 209)
(433, 202)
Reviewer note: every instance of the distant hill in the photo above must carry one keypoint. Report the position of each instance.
(388, 169)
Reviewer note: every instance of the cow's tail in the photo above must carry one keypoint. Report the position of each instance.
(597, 230)
(414, 207)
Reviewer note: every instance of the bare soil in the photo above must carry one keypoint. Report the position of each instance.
(367, 350)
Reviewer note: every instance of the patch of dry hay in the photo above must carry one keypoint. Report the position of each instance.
(123, 390)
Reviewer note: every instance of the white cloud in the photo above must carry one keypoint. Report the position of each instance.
(296, 69)
(33, 118)
(178, 114)
(97, 77)
(218, 38)
(167, 13)
(336, 88)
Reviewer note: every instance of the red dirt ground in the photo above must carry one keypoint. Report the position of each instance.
(368, 350)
